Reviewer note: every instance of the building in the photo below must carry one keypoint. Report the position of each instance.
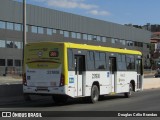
(152, 27)
(155, 50)
(45, 24)
(155, 43)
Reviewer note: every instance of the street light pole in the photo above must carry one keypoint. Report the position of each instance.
(24, 23)
(24, 31)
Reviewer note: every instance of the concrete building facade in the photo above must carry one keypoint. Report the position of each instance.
(45, 24)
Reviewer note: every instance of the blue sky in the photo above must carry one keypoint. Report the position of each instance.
(118, 11)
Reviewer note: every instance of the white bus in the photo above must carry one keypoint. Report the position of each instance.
(78, 70)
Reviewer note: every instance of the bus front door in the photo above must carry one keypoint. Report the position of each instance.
(79, 69)
(139, 73)
(113, 69)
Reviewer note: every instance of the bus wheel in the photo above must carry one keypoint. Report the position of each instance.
(94, 94)
(27, 97)
(129, 94)
(60, 99)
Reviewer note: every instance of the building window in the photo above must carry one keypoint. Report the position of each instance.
(49, 31)
(123, 42)
(17, 45)
(2, 43)
(9, 62)
(78, 35)
(89, 37)
(85, 36)
(17, 27)
(2, 25)
(34, 29)
(140, 44)
(2, 62)
(135, 43)
(98, 38)
(9, 44)
(130, 43)
(17, 63)
(148, 45)
(95, 38)
(73, 35)
(61, 32)
(40, 30)
(104, 39)
(9, 26)
(54, 31)
(26, 28)
(66, 34)
(113, 40)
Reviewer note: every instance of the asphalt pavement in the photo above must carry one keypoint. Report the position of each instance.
(145, 101)
(11, 89)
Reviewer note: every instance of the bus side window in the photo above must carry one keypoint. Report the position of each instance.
(130, 59)
(100, 60)
(107, 61)
(90, 60)
(121, 62)
(70, 59)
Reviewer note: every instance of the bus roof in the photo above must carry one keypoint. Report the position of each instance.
(94, 47)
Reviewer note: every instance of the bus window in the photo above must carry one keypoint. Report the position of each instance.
(121, 62)
(100, 60)
(70, 59)
(90, 60)
(130, 62)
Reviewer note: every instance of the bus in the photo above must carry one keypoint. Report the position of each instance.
(64, 70)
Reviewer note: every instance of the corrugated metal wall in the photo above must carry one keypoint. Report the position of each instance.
(12, 11)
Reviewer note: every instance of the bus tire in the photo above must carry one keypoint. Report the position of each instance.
(58, 99)
(129, 94)
(94, 94)
(26, 97)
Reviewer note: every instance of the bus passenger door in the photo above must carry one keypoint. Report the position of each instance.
(79, 69)
(139, 73)
(113, 69)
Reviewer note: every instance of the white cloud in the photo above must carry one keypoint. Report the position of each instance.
(97, 12)
(68, 4)
(74, 4)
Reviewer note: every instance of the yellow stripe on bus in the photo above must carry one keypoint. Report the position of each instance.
(104, 49)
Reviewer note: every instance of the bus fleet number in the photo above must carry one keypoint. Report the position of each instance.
(95, 76)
